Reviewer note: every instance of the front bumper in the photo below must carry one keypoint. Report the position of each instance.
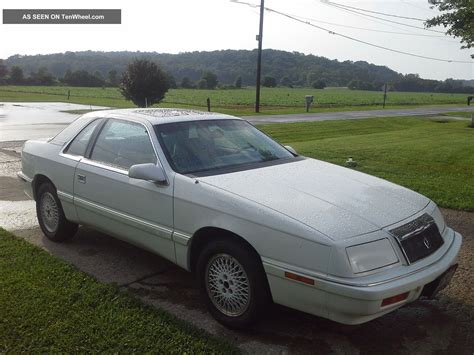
(348, 304)
(27, 184)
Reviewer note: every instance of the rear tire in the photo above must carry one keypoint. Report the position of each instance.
(233, 283)
(51, 216)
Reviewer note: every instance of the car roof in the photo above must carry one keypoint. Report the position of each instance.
(154, 116)
(161, 115)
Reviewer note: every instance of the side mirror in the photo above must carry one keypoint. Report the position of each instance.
(149, 172)
(291, 150)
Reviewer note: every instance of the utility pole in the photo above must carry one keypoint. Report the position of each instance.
(259, 56)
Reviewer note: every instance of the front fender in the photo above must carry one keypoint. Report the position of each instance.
(273, 235)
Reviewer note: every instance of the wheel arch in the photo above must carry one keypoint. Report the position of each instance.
(39, 180)
(205, 235)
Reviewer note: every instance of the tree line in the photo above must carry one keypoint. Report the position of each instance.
(217, 69)
(82, 78)
(413, 83)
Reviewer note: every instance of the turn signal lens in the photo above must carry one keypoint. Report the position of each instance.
(299, 278)
(395, 299)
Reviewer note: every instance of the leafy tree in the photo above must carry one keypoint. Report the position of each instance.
(113, 79)
(82, 78)
(269, 82)
(3, 72)
(202, 84)
(362, 85)
(16, 75)
(144, 83)
(171, 81)
(318, 84)
(211, 80)
(311, 77)
(353, 84)
(458, 17)
(66, 79)
(238, 82)
(285, 81)
(412, 82)
(186, 83)
(42, 77)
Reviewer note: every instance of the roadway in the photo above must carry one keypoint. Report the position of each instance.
(356, 115)
(23, 121)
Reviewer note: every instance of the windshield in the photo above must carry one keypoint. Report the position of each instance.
(198, 146)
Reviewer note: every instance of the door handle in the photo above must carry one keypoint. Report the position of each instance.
(81, 178)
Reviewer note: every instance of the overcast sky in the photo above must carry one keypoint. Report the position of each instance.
(190, 25)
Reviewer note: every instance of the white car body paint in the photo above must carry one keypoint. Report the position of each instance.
(300, 217)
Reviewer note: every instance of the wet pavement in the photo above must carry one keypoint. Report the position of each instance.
(22, 121)
(441, 326)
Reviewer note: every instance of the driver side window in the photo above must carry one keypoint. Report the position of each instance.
(122, 144)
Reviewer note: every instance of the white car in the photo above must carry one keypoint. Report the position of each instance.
(255, 221)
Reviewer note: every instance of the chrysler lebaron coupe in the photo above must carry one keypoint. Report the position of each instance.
(255, 221)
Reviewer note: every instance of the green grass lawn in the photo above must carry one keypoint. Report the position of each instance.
(241, 101)
(433, 158)
(47, 305)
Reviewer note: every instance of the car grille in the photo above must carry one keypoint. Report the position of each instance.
(418, 238)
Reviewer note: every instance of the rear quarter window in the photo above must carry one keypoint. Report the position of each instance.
(79, 144)
(71, 131)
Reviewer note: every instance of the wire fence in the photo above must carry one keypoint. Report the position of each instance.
(69, 94)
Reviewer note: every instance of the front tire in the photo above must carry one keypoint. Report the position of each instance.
(51, 216)
(232, 282)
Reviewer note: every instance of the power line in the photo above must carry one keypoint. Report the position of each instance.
(375, 30)
(352, 38)
(379, 18)
(383, 23)
(416, 6)
(376, 21)
(375, 12)
(367, 43)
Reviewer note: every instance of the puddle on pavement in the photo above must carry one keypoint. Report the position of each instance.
(22, 121)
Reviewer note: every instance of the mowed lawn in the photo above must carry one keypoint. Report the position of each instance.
(47, 305)
(239, 101)
(431, 157)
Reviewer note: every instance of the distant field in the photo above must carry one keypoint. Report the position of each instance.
(241, 101)
(433, 157)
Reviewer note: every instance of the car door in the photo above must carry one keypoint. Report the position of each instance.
(137, 211)
(65, 166)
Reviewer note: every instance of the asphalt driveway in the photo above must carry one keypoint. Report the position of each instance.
(444, 325)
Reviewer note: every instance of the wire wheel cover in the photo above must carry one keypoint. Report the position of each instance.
(227, 285)
(49, 211)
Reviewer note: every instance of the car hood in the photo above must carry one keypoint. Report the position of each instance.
(336, 201)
